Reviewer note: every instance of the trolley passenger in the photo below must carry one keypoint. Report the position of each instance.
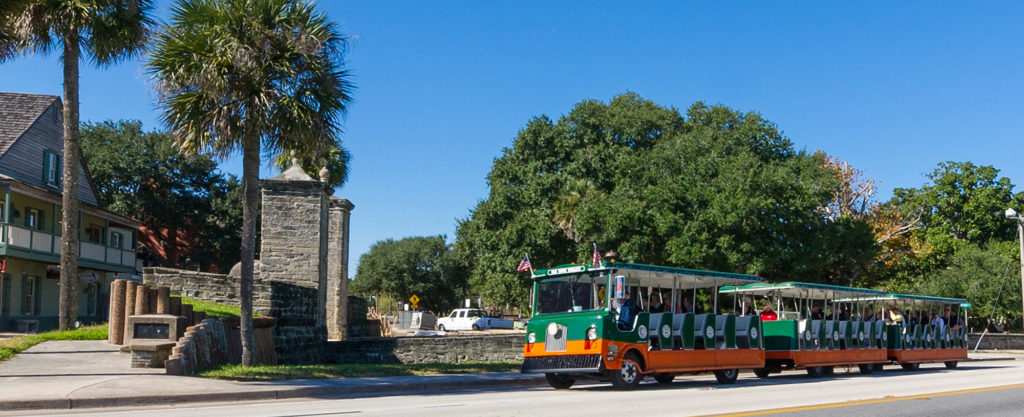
(867, 314)
(894, 316)
(816, 313)
(938, 323)
(767, 314)
(625, 321)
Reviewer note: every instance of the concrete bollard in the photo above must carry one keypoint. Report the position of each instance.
(175, 306)
(186, 312)
(116, 317)
(141, 300)
(163, 295)
(130, 291)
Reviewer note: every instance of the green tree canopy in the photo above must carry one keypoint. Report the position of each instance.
(716, 189)
(423, 266)
(143, 175)
(961, 206)
(988, 277)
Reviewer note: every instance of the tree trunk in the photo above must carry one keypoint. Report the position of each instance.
(250, 186)
(68, 302)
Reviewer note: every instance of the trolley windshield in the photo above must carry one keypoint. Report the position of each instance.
(571, 293)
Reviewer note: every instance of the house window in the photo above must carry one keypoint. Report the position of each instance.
(116, 240)
(51, 168)
(93, 234)
(33, 218)
(28, 295)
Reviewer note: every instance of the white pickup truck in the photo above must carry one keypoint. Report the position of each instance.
(471, 319)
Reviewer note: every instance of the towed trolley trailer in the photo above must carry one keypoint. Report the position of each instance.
(575, 331)
(911, 345)
(840, 336)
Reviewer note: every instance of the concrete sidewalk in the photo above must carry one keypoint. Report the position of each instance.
(92, 374)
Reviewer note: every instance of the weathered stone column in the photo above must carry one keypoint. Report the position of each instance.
(141, 300)
(150, 300)
(337, 268)
(116, 317)
(293, 259)
(186, 311)
(130, 291)
(175, 306)
(163, 300)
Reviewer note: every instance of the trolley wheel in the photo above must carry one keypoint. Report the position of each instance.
(815, 371)
(628, 376)
(878, 367)
(910, 366)
(951, 364)
(559, 382)
(664, 379)
(866, 368)
(727, 376)
(761, 372)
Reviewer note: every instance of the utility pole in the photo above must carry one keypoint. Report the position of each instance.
(1012, 214)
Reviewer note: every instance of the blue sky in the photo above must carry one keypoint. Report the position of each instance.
(894, 89)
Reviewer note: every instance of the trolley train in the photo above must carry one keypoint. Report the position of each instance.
(620, 322)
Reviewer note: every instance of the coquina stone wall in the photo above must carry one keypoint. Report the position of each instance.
(996, 341)
(447, 349)
(204, 286)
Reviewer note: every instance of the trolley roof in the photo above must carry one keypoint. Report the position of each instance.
(913, 300)
(792, 289)
(653, 275)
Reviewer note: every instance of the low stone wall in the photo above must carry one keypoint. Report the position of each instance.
(205, 286)
(215, 342)
(443, 349)
(997, 341)
(203, 347)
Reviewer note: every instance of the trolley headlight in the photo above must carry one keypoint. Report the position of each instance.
(591, 334)
(532, 337)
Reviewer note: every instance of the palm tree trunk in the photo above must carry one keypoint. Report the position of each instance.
(250, 186)
(68, 301)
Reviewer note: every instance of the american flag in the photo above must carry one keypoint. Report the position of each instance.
(524, 265)
(597, 257)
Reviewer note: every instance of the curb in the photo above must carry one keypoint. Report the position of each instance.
(262, 394)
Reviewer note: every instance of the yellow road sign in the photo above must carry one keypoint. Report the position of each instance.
(414, 299)
(414, 306)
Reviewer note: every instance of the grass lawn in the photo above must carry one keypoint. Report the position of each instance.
(213, 310)
(281, 372)
(12, 345)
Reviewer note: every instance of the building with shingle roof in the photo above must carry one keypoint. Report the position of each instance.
(31, 164)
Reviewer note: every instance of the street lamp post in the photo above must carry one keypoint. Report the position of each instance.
(1012, 214)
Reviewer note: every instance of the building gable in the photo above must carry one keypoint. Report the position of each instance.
(31, 129)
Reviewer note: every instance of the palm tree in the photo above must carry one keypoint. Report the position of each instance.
(105, 31)
(249, 75)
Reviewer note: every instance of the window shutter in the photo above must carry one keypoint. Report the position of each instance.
(46, 165)
(5, 280)
(60, 172)
(24, 287)
(37, 303)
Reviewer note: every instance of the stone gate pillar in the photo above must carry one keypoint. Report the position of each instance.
(293, 258)
(337, 268)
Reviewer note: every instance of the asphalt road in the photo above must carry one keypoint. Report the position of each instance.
(979, 388)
